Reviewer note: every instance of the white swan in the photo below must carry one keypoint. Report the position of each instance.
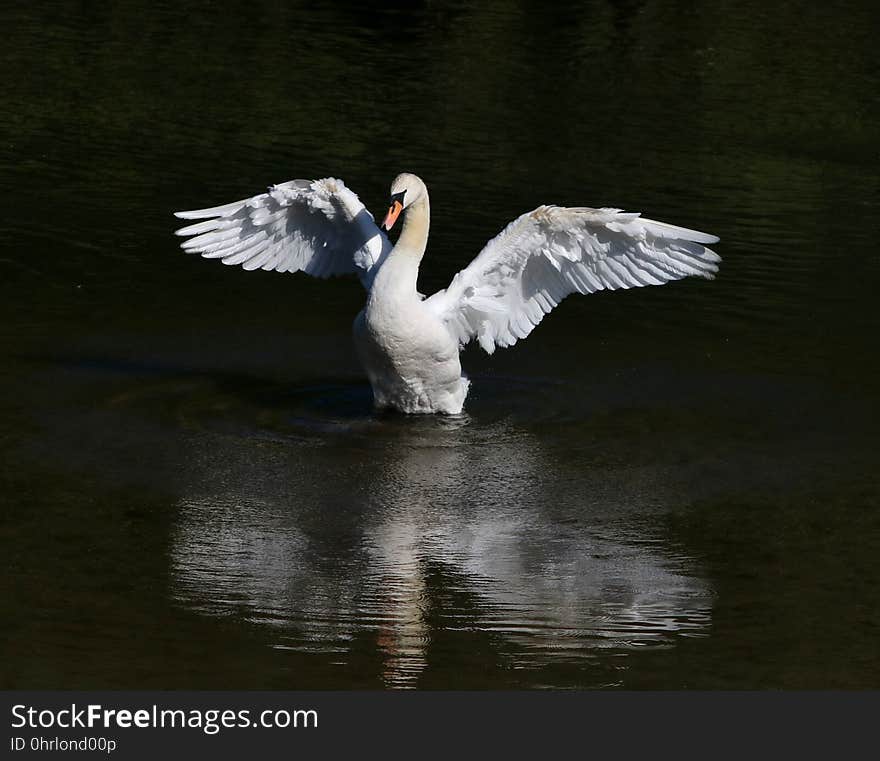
(408, 344)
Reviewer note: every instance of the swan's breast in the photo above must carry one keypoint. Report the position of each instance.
(406, 331)
(411, 360)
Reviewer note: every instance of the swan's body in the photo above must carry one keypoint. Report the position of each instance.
(410, 357)
(408, 345)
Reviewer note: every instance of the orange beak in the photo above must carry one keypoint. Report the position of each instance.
(392, 215)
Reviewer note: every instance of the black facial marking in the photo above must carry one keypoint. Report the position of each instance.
(398, 197)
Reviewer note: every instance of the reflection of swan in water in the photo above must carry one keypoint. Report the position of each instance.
(555, 575)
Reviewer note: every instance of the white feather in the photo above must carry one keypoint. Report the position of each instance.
(551, 252)
(319, 227)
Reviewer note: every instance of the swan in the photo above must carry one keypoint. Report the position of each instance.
(409, 345)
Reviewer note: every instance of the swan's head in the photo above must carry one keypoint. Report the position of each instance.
(405, 191)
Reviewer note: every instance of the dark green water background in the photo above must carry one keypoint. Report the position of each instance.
(671, 487)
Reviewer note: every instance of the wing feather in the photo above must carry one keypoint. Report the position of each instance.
(547, 254)
(318, 227)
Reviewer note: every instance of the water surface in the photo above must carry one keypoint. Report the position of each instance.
(669, 487)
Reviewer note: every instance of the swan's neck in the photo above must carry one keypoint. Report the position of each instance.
(414, 235)
(397, 279)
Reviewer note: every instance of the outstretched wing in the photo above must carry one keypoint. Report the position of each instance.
(318, 227)
(544, 255)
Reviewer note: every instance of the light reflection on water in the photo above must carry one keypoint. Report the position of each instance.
(467, 499)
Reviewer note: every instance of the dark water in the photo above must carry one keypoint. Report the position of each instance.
(670, 487)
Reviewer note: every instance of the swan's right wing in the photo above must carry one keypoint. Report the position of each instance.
(547, 254)
(318, 227)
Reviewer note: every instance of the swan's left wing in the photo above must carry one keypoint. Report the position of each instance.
(319, 227)
(551, 252)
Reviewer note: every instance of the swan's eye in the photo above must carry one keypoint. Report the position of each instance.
(397, 198)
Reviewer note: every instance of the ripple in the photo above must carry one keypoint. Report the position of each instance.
(440, 544)
(267, 409)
